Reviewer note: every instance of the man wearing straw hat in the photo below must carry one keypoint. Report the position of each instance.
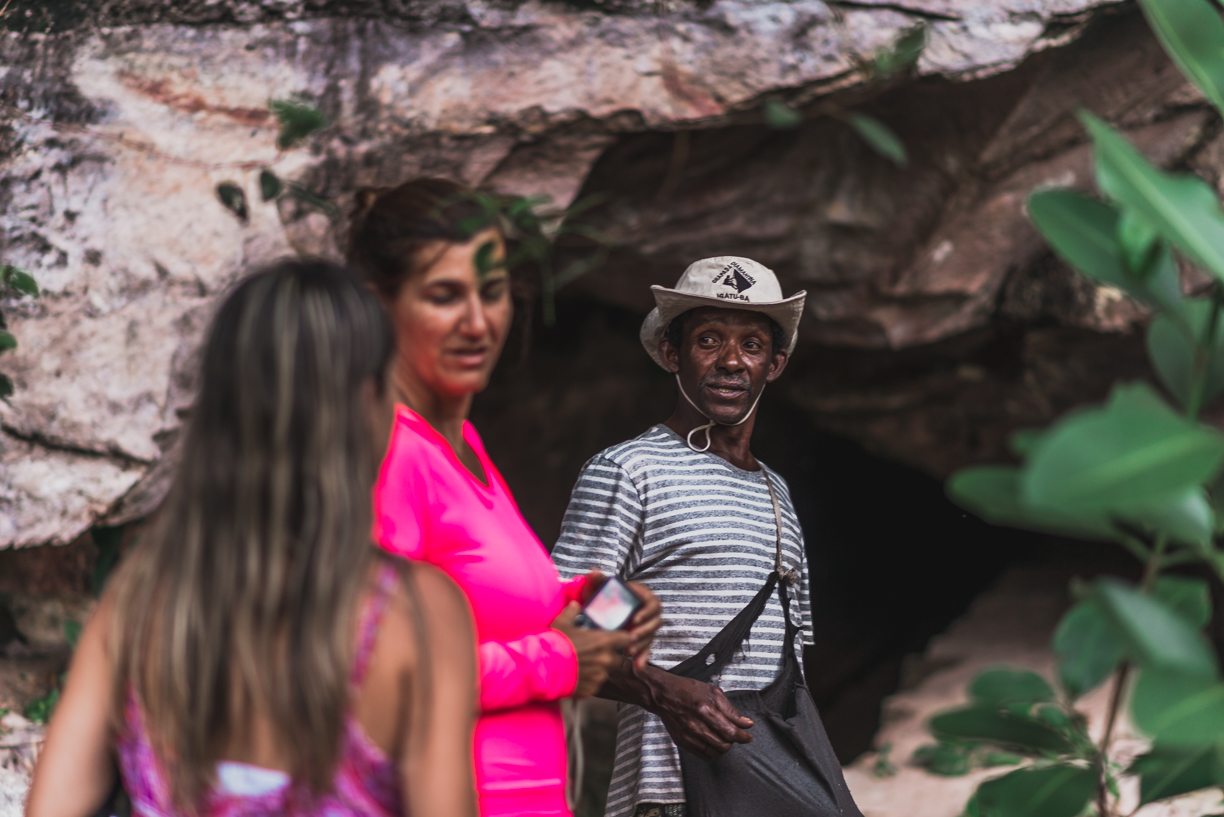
(686, 508)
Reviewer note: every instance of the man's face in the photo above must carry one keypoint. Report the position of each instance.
(724, 361)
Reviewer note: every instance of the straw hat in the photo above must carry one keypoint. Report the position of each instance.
(727, 282)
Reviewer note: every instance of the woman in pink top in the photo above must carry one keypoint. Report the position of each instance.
(430, 249)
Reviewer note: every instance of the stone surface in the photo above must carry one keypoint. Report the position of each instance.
(121, 119)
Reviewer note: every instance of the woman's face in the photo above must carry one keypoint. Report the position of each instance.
(451, 320)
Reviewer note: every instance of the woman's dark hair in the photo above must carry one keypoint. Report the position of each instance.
(241, 596)
(675, 332)
(391, 227)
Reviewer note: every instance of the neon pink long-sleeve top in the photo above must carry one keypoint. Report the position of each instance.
(429, 507)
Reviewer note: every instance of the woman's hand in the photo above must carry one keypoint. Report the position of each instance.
(597, 650)
(645, 622)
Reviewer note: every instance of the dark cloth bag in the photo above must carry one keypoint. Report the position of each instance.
(789, 769)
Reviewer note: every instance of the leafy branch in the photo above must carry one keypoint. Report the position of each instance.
(1136, 471)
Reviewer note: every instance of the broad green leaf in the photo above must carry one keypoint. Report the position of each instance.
(234, 199)
(269, 185)
(297, 121)
(22, 282)
(880, 137)
(1179, 709)
(1002, 727)
(1087, 646)
(1189, 598)
(993, 493)
(1182, 207)
(6, 387)
(7, 341)
(1169, 771)
(1061, 790)
(1185, 517)
(1140, 244)
(72, 633)
(781, 116)
(1155, 635)
(1192, 33)
(1172, 349)
(1134, 450)
(1001, 687)
(1084, 233)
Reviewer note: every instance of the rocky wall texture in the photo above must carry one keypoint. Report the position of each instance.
(937, 322)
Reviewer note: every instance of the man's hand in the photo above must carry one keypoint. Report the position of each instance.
(697, 715)
(645, 622)
(598, 651)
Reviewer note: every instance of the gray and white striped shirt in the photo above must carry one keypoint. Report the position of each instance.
(700, 533)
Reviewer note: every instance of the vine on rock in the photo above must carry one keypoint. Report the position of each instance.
(1139, 471)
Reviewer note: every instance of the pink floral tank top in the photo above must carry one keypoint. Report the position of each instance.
(366, 782)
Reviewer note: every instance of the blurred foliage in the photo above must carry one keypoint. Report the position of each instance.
(1141, 471)
(13, 283)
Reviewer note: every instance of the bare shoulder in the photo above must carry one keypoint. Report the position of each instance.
(427, 603)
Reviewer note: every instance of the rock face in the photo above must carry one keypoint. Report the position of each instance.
(937, 321)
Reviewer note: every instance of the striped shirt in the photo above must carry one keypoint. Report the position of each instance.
(701, 534)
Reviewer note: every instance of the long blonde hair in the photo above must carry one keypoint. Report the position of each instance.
(241, 597)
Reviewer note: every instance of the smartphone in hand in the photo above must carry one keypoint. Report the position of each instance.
(610, 608)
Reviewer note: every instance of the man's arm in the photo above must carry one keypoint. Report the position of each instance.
(697, 715)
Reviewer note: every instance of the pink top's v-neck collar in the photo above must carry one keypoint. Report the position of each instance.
(469, 436)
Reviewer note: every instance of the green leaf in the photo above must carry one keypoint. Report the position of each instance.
(72, 633)
(1061, 790)
(1189, 598)
(993, 493)
(1155, 635)
(998, 688)
(1084, 233)
(1172, 346)
(1087, 646)
(880, 137)
(41, 709)
(1168, 771)
(1185, 517)
(903, 54)
(779, 115)
(1002, 727)
(231, 195)
(1134, 450)
(269, 185)
(1140, 243)
(297, 121)
(6, 387)
(1179, 709)
(1181, 207)
(486, 259)
(20, 281)
(992, 759)
(1191, 32)
(7, 341)
(944, 759)
(1025, 441)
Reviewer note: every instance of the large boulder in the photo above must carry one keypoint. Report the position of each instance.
(937, 321)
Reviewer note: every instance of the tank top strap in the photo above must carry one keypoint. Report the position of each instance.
(371, 616)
